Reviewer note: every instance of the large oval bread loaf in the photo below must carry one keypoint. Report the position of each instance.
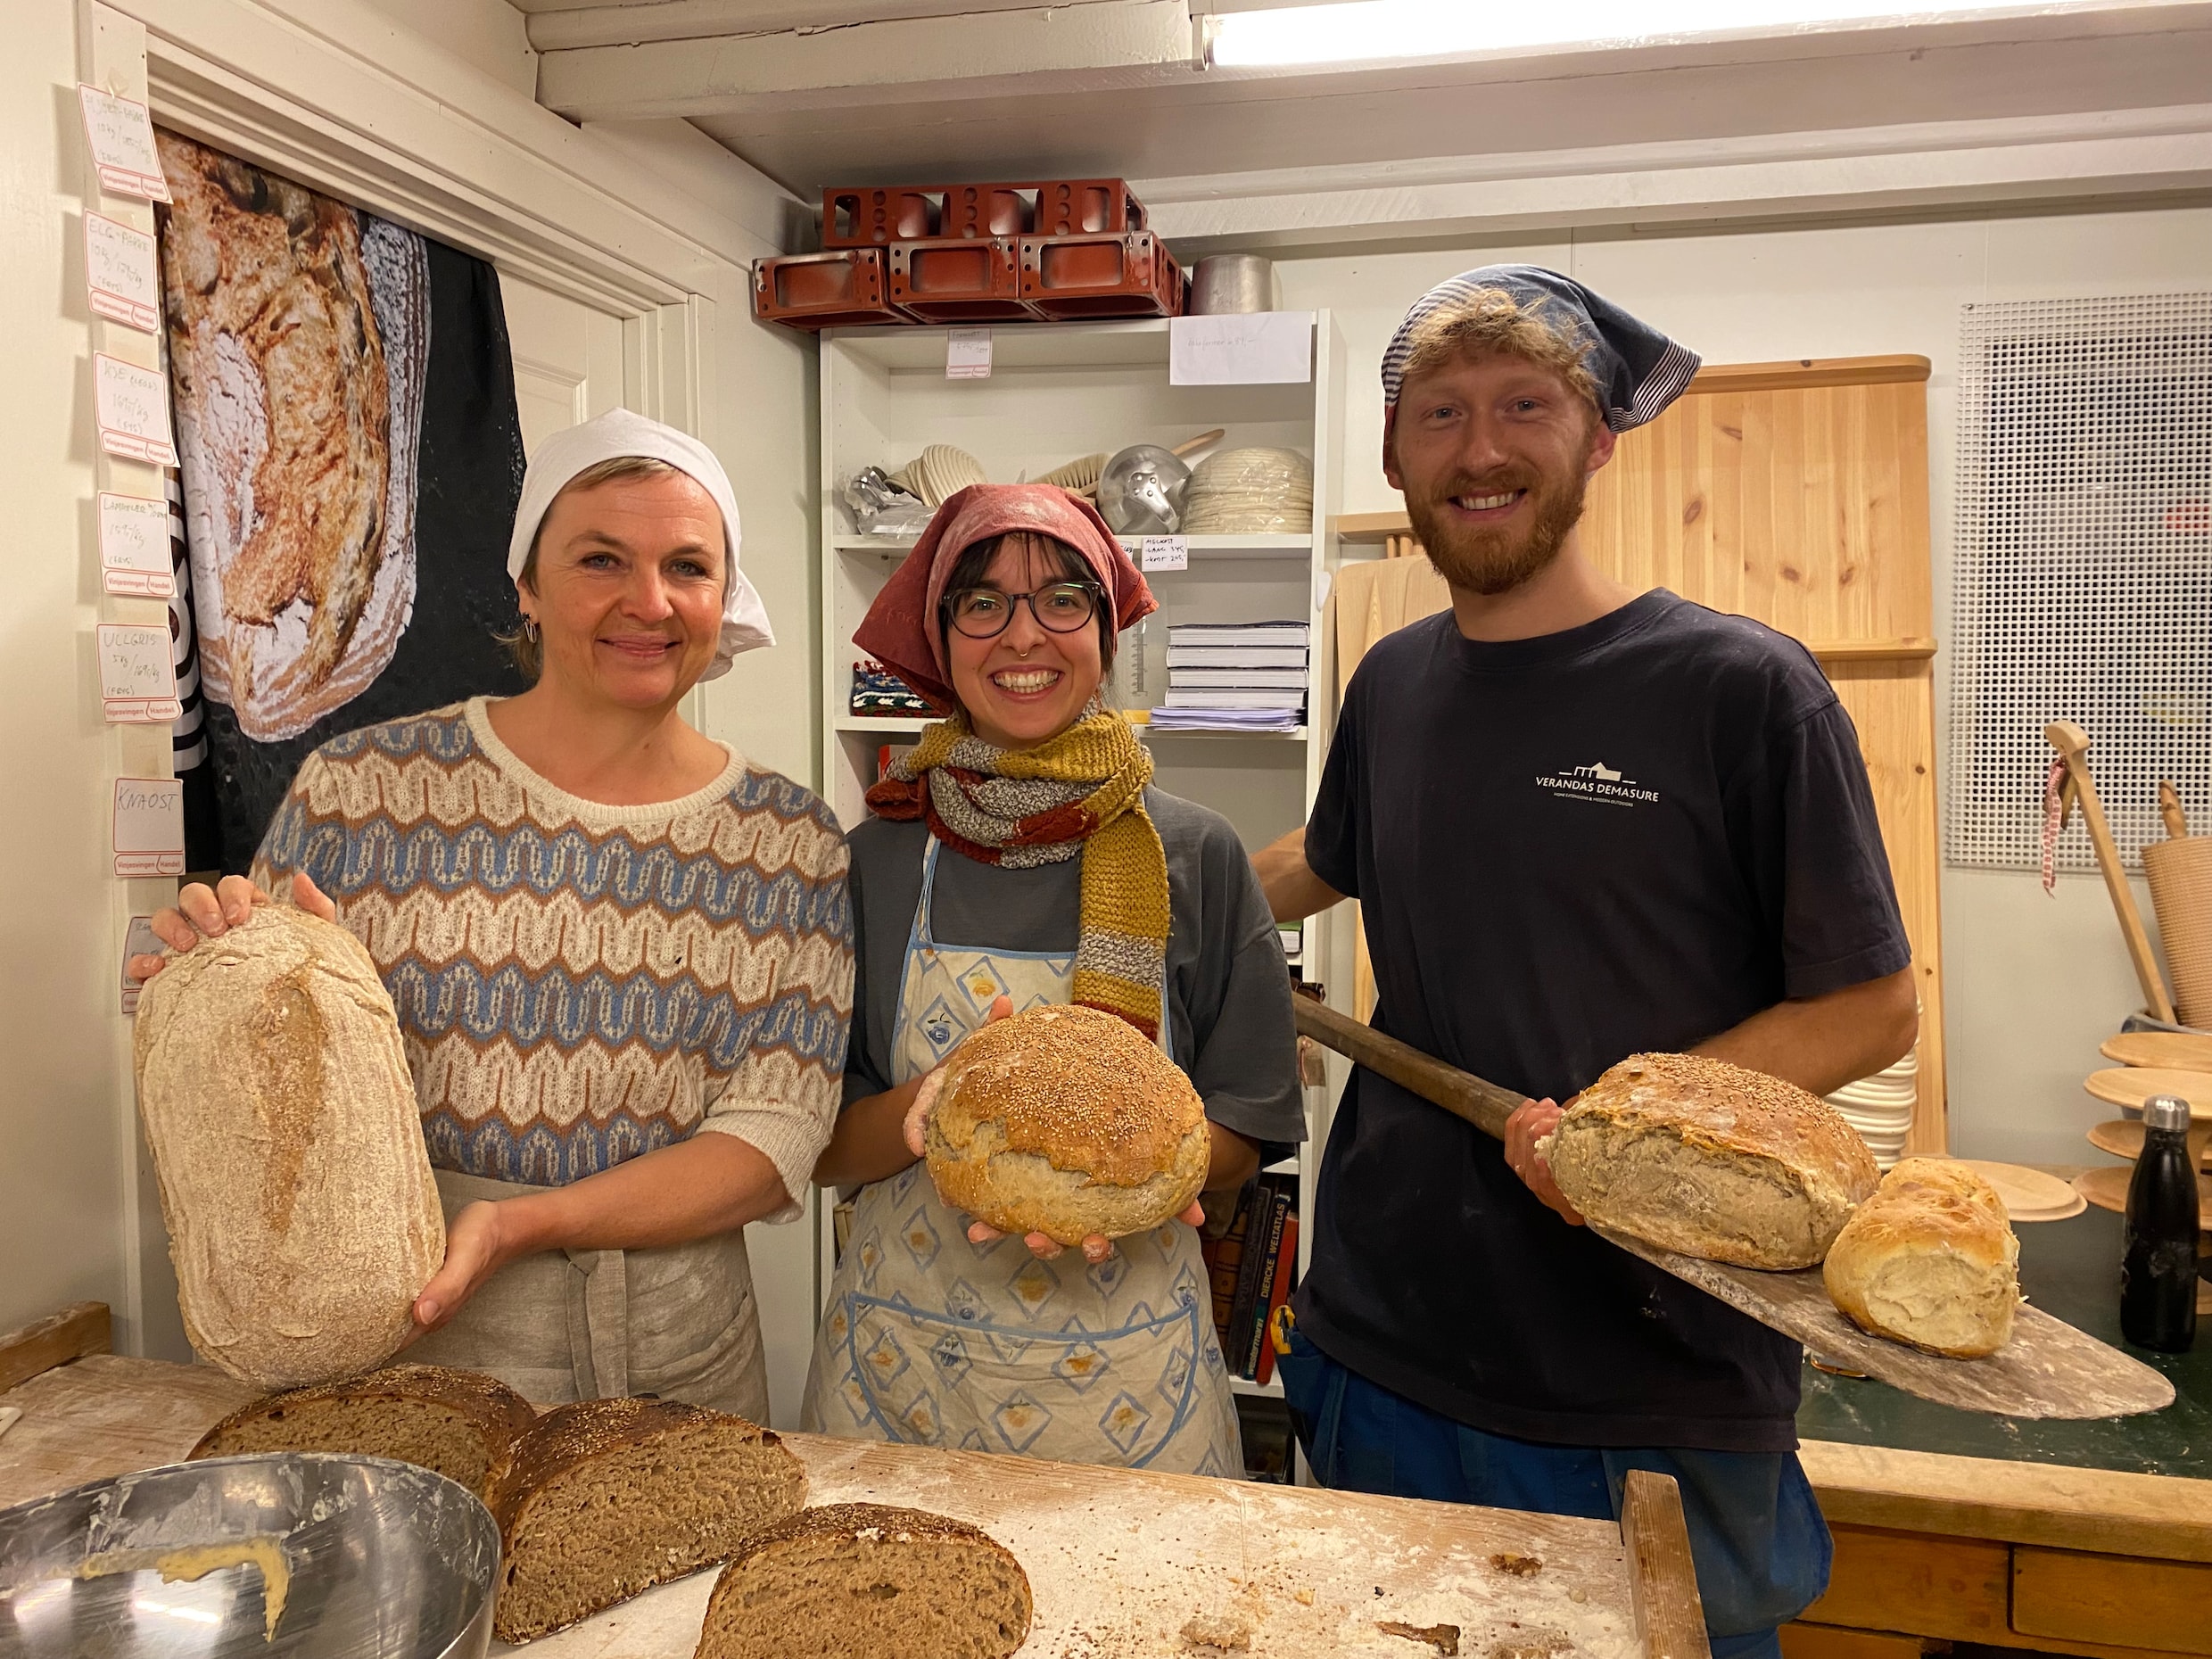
(1064, 1120)
(302, 1217)
(1710, 1159)
(855, 1579)
(1930, 1261)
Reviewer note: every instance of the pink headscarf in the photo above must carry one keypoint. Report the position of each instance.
(901, 629)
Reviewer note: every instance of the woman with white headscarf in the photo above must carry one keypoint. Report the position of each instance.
(620, 952)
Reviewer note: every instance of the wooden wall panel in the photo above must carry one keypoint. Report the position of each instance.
(1797, 493)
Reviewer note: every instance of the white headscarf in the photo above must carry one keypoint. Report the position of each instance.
(620, 432)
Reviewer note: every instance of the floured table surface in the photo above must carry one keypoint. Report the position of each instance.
(1124, 1564)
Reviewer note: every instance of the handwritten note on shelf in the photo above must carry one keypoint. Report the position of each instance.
(149, 827)
(1252, 348)
(134, 411)
(139, 939)
(120, 132)
(119, 274)
(1164, 553)
(966, 354)
(138, 676)
(135, 549)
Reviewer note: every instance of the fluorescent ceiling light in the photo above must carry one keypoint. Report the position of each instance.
(1380, 31)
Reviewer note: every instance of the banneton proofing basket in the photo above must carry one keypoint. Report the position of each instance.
(375, 1560)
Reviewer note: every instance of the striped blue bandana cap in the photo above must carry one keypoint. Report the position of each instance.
(1638, 370)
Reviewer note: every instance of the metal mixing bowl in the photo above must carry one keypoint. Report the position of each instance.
(386, 1561)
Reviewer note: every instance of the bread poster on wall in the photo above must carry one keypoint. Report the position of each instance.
(344, 410)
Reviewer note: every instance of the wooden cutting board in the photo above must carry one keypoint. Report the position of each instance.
(2131, 1085)
(2049, 1369)
(2123, 1138)
(2107, 1189)
(2028, 1194)
(1121, 1560)
(2186, 1050)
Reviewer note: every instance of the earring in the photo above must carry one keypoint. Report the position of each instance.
(529, 628)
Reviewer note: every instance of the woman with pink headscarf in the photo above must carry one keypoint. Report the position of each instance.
(1019, 856)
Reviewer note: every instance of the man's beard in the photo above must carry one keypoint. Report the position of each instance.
(1491, 561)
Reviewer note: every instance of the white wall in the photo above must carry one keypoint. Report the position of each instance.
(2033, 984)
(61, 1145)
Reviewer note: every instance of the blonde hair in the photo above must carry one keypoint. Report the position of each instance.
(522, 645)
(1490, 321)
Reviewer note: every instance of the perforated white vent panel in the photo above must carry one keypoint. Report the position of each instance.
(2083, 560)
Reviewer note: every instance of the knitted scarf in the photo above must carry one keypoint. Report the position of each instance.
(1081, 792)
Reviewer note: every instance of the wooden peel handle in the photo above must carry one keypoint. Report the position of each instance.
(2072, 744)
(1484, 1105)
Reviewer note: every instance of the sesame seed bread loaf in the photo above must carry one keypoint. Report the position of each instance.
(868, 1581)
(458, 1424)
(302, 1217)
(1706, 1159)
(1066, 1122)
(1930, 1261)
(606, 1498)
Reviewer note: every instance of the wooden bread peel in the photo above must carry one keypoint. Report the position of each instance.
(2072, 744)
(2049, 1369)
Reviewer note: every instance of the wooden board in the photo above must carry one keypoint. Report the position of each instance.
(2123, 1138)
(2049, 1369)
(2027, 1193)
(82, 1328)
(2063, 1595)
(1120, 1560)
(2184, 1051)
(2107, 1189)
(2131, 1085)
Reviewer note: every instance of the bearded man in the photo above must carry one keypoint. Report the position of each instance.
(1582, 823)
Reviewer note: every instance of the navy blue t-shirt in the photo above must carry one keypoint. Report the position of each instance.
(1630, 835)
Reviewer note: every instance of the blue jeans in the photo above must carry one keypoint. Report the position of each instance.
(1760, 1547)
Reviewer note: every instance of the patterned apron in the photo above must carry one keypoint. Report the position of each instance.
(930, 1340)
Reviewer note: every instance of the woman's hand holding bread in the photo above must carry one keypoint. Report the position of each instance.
(205, 912)
(1531, 1122)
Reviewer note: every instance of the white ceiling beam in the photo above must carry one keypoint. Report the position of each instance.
(1035, 49)
(2132, 152)
(563, 25)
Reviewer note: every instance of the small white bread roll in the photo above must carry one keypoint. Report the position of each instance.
(1710, 1159)
(1930, 1261)
(1065, 1121)
(302, 1215)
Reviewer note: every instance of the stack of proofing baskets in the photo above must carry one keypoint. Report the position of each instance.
(1061, 250)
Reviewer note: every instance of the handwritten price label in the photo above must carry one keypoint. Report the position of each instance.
(120, 279)
(134, 411)
(139, 939)
(1164, 553)
(149, 827)
(134, 546)
(138, 676)
(120, 132)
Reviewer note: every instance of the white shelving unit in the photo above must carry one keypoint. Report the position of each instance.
(1058, 391)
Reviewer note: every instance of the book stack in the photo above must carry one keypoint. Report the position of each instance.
(1250, 1267)
(1235, 677)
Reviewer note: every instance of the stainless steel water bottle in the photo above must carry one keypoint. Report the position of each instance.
(2158, 1271)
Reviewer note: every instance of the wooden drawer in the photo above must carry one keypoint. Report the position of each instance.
(2114, 1600)
(1886, 1581)
(1817, 1641)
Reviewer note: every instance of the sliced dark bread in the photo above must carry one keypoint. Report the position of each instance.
(457, 1422)
(604, 1498)
(868, 1581)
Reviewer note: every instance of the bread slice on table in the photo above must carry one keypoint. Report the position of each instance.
(606, 1498)
(1930, 1261)
(1710, 1159)
(1065, 1120)
(458, 1422)
(868, 1581)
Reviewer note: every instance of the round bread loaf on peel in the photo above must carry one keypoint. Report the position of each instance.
(1065, 1121)
(1710, 1159)
(1930, 1261)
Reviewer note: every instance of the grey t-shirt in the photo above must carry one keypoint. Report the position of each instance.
(1228, 992)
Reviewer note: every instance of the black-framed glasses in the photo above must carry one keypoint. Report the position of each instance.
(984, 612)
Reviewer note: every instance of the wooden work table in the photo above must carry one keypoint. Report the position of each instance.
(2091, 1537)
(1124, 1563)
